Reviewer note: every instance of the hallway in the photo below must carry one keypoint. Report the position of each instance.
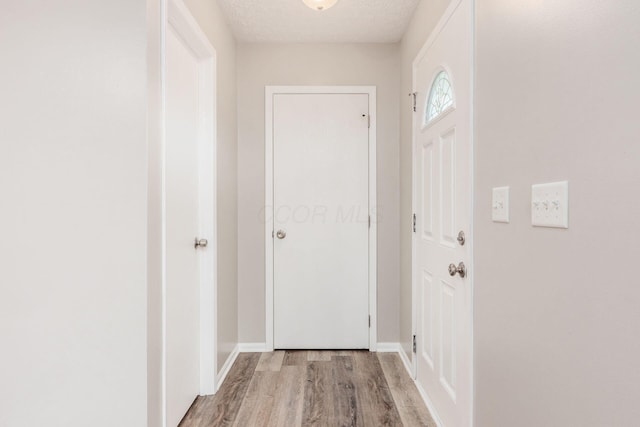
(313, 388)
(187, 185)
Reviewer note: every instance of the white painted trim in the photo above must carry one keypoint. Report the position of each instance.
(393, 347)
(227, 367)
(373, 258)
(423, 394)
(406, 362)
(472, 269)
(429, 404)
(414, 292)
(373, 211)
(180, 18)
(446, 16)
(163, 158)
(253, 347)
(268, 205)
(389, 347)
(405, 359)
(185, 25)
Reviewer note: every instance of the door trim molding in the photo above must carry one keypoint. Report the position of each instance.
(270, 91)
(184, 24)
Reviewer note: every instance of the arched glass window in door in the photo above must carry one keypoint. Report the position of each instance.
(440, 98)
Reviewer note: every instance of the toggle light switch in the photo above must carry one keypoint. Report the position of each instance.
(500, 205)
(550, 205)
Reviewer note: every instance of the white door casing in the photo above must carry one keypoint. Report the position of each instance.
(443, 179)
(320, 277)
(189, 201)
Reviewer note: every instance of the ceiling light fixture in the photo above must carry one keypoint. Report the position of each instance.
(320, 4)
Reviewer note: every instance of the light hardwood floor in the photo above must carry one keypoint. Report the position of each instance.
(313, 388)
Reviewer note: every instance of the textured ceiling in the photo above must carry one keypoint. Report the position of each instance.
(349, 21)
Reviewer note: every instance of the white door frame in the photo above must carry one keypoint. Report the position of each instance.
(444, 19)
(184, 24)
(270, 91)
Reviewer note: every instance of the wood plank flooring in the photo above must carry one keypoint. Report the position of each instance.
(313, 388)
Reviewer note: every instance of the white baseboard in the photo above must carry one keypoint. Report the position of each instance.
(407, 362)
(388, 347)
(427, 402)
(227, 367)
(395, 347)
(253, 347)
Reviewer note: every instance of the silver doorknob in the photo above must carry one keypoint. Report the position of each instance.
(460, 269)
(200, 243)
(281, 234)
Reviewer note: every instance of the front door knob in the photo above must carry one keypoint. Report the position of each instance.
(460, 269)
(201, 243)
(281, 234)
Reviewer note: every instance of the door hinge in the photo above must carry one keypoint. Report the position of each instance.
(415, 345)
(369, 320)
(369, 221)
(415, 101)
(414, 223)
(369, 121)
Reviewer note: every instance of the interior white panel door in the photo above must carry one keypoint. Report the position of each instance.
(321, 179)
(443, 203)
(182, 315)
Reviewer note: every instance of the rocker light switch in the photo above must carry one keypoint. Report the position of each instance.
(550, 205)
(500, 205)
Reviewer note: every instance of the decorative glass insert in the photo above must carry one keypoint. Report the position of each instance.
(440, 98)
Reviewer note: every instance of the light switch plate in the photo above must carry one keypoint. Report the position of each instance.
(500, 204)
(550, 205)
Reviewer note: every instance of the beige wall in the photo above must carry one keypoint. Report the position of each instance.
(154, 213)
(422, 23)
(211, 19)
(73, 150)
(557, 311)
(328, 64)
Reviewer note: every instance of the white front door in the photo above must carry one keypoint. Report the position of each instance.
(182, 311)
(443, 203)
(321, 221)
